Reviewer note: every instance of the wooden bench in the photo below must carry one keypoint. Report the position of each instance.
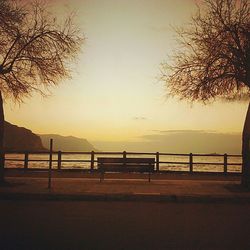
(112, 164)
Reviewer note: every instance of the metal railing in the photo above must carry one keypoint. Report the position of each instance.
(189, 164)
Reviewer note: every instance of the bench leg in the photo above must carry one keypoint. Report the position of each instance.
(102, 176)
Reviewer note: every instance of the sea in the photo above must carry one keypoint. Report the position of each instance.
(201, 163)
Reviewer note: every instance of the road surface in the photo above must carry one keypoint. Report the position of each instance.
(123, 225)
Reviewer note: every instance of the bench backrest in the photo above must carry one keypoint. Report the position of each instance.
(127, 161)
(115, 164)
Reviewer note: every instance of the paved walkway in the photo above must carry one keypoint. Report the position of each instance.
(200, 189)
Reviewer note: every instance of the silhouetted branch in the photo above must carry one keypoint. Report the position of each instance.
(214, 57)
(34, 48)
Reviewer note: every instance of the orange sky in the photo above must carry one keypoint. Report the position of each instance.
(114, 94)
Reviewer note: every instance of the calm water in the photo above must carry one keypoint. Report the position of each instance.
(17, 161)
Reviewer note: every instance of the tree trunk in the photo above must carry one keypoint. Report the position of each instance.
(245, 180)
(1, 139)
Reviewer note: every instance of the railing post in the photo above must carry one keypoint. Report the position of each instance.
(157, 161)
(124, 154)
(26, 160)
(59, 160)
(191, 163)
(124, 157)
(50, 163)
(3, 160)
(225, 163)
(92, 160)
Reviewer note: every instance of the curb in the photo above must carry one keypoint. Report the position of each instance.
(124, 197)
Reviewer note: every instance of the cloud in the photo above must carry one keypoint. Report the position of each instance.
(184, 131)
(198, 141)
(179, 141)
(140, 118)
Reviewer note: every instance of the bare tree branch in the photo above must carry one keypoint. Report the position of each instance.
(35, 50)
(214, 57)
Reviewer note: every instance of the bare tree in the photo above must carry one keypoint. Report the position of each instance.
(35, 53)
(214, 60)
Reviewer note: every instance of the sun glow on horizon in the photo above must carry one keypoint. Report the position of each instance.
(114, 94)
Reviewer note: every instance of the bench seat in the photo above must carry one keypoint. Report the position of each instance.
(123, 165)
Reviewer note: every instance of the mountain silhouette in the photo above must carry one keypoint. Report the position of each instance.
(21, 139)
(67, 143)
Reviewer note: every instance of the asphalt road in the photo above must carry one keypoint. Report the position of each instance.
(123, 225)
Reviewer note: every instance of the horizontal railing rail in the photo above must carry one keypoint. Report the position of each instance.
(192, 162)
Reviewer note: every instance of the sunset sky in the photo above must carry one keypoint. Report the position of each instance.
(114, 93)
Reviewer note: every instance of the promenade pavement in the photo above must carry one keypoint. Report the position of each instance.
(125, 187)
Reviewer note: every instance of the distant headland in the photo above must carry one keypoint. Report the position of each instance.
(22, 139)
